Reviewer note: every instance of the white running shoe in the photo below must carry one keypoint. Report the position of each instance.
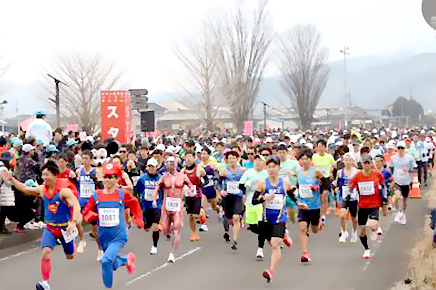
(354, 237)
(100, 255)
(171, 258)
(81, 247)
(203, 228)
(153, 250)
(379, 231)
(43, 286)
(41, 224)
(374, 235)
(7, 221)
(367, 254)
(397, 217)
(259, 253)
(403, 219)
(343, 238)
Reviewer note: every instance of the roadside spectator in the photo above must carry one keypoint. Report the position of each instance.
(40, 129)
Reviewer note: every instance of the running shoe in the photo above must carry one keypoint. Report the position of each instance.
(374, 235)
(234, 246)
(268, 275)
(354, 238)
(323, 218)
(42, 286)
(81, 247)
(153, 250)
(403, 219)
(227, 237)
(379, 231)
(367, 254)
(171, 258)
(131, 259)
(203, 228)
(397, 217)
(343, 238)
(168, 237)
(194, 237)
(287, 240)
(305, 258)
(259, 253)
(100, 255)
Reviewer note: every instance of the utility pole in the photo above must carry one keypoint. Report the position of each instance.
(264, 114)
(345, 53)
(56, 100)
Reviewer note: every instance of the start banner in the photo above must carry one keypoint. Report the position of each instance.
(116, 116)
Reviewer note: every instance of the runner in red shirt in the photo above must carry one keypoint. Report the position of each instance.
(370, 186)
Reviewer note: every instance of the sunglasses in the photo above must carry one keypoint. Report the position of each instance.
(111, 176)
(123, 151)
(266, 155)
(401, 147)
(250, 153)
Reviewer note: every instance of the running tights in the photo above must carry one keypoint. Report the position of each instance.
(155, 238)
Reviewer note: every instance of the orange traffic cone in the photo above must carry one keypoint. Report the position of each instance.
(415, 192)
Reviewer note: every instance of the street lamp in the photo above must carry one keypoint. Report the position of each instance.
(2, 104)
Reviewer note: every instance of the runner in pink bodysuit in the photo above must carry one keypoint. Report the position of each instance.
(172, 183)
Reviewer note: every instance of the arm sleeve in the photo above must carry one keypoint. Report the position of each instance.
(353, 182)
(135, 209)
(221, 180)
(89, 212)
(291, 194)
(257, 198)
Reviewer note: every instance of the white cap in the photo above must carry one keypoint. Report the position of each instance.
(390, 146)
(171, 159)
(152, 162)
(310, 146)
(401, 144)
(427, 139)
(302, 141)
(268, 140)
(340, 143)
(161, 147)
(27, 148)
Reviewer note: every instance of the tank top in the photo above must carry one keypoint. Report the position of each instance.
(343, 181)
(195, 191)
(57, 212)
(209, 188)
(275, 210)
(86, 183)
(65, 174)
(308, 189)
(232, 181)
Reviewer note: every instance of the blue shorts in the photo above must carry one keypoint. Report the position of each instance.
(83, 202)
(48, 240)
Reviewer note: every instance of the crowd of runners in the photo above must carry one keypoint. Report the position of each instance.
(261, 182)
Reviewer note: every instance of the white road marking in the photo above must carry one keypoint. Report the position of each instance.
(163, 266)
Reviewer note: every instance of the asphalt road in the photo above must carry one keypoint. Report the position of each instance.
(211, 264)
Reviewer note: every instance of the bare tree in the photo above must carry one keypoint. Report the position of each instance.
(244, 41)
(86, 75)
(304, 70)
(198, 56)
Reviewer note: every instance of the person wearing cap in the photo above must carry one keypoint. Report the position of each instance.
(106, 208)
(172, 183)
(370, 186)
(419, 159)
(402, 166)
(40, 129)
(51, 151)
(228, 186)
(253, 213)
(219, 153)
(211, 168)
(430, 149)
(271, 193)
(62, 212)
(144, 188)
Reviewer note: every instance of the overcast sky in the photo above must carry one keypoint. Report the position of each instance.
(137, 35)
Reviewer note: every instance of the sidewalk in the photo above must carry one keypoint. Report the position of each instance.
(18, 239)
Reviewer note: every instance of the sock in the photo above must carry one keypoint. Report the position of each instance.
(155, 238)
(364, 241)
(45, 269)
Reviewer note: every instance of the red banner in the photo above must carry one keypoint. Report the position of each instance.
(116, 116)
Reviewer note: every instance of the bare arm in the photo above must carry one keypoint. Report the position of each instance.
(21, 186)
(72, 201)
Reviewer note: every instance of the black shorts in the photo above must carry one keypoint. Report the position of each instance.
(310, 216)
(270, 230)
(151, 216)
(193, 205)
(232, 205)
(405, 189)
(367, 213)
(325, 184)
(351, 205)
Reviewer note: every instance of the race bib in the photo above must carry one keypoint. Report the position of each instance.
(70, 236)
(233, 187)
(323, 172)
(305, 191)
(190, 192)
(173, 204)
(366, 188)
(87, 189)
(148, 194)
(109, 217)
(402, 173)
(345, 191)
(276, 203)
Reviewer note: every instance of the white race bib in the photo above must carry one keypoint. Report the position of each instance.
(276, 203)
(135, 179)
(70, 236)
(173, 204)
(190, 192)
(345, 191)
(366, 188)
(210, 182)
(233, 187)
(305, 191)
(109, 217)
(402, 173)
(87, 189)
(148, 194)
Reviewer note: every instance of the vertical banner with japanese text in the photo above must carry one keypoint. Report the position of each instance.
(116, 116)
